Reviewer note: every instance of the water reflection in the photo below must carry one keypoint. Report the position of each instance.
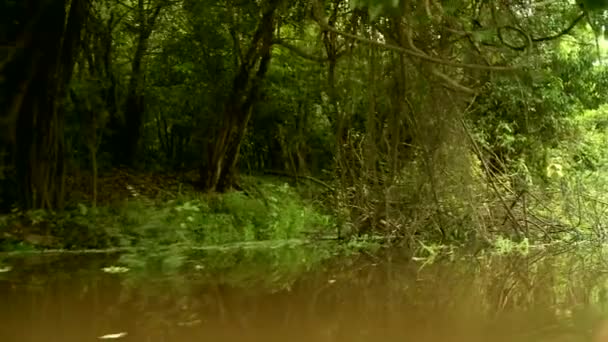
(539, 297)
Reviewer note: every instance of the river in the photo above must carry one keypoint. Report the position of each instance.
(291, 295)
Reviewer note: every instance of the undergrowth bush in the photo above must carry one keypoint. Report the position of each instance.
(275, 212)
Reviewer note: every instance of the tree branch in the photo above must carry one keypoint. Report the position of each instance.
(530, 39)
(453, 84)
(527, 37)
(449, 82)
(563, 32)
(320, 18)
(298, 51)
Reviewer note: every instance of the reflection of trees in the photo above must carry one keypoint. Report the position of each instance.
(508, 295)
(532, 298)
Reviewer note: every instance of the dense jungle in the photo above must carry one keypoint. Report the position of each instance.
(316, 170)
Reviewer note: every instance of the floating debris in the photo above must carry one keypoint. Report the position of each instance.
(113, 336)
(192, 323)
(115, 269)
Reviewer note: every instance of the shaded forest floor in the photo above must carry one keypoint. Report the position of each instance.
(144, 209)
(122, 184)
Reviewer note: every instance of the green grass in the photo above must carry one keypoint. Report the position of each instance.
(273, 212)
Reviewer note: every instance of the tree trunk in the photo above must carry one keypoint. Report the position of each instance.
(219, 172)
(99, 54)
(36, 81)
(134, 107)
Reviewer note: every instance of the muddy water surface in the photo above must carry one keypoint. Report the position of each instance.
(544, 296)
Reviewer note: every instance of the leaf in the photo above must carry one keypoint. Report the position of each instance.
(83, 209)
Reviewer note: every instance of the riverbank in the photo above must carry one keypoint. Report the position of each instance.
(133, 210)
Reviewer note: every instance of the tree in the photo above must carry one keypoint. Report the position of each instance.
(145, 15)
(219, 170)
(35, 78)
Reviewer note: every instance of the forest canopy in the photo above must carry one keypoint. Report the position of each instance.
(447, 119)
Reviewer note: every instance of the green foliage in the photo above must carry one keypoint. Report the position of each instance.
(364, 243)
(233, 217)
(376, 7)
(380, 124)
(293, 128)
(585, 76)
(517, 122)
(277, 213)
(594, 5)
(579, 182)
(504, 246)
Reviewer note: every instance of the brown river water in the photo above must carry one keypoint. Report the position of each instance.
(542, 296)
